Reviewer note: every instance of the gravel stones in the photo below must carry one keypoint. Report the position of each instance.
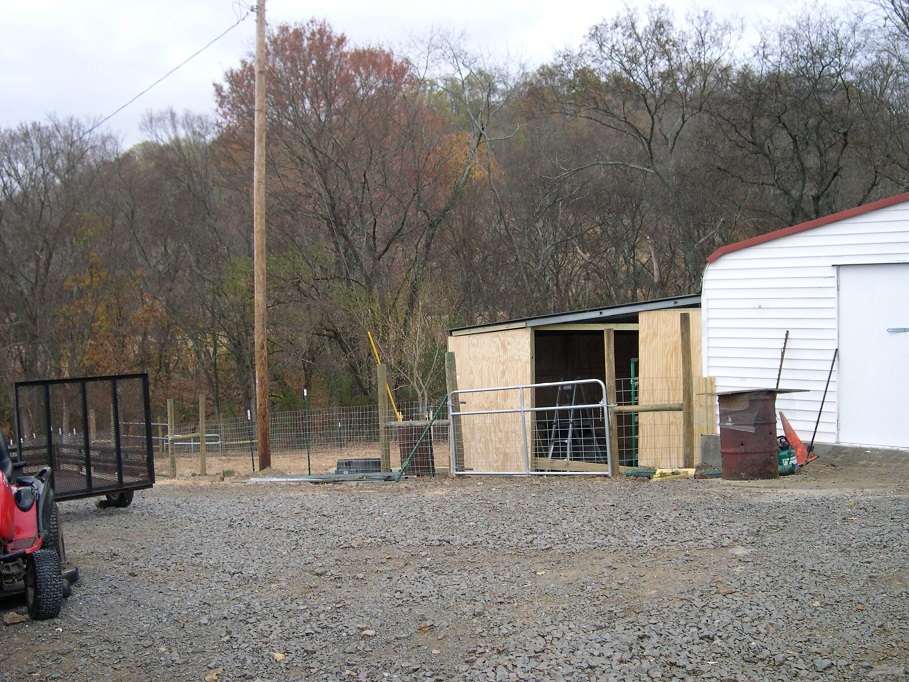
(481, 579)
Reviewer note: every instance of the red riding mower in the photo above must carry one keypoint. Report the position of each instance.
(32, 555)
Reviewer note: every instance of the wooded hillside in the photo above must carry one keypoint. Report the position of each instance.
(412, 193)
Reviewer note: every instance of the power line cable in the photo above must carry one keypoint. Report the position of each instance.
(249, 10)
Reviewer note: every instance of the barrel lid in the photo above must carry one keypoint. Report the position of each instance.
(762, 390)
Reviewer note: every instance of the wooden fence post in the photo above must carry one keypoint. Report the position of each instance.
(170, 437)
(203, 452)
(611, 399)
(454, 423)
(384, 445)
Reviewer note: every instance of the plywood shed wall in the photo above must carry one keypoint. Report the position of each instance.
(526, 354)
(501, 358)
(662, 438)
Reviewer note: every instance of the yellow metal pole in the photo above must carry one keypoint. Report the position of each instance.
(375, 352)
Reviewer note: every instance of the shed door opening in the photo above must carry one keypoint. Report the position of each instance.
(567, 355)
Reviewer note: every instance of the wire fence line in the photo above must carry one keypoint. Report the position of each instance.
(316, 440)
(338, 430)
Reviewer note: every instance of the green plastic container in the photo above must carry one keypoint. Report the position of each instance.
(787, 461)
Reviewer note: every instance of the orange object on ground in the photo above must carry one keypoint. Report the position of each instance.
(801, 452)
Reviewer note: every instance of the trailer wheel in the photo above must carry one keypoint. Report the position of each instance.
(43, 585)
(120, 500)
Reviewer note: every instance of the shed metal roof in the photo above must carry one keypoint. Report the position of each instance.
(614, 314)
(810, 225)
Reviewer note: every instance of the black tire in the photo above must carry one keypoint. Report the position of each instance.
(43, 585)
(120, 500)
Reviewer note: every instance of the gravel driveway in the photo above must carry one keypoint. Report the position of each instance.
(484, 579)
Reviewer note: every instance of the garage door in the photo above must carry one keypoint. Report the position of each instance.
(874, 354)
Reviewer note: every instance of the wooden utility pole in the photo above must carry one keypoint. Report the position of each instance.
(261, 339)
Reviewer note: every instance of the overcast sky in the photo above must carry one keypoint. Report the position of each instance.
(86, 59)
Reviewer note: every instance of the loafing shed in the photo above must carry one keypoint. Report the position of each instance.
(836, 290)
(643, 354)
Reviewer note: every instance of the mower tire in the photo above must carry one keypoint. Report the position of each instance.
(43, 585)
(53, 537)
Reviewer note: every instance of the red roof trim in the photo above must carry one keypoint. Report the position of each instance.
(810, 225)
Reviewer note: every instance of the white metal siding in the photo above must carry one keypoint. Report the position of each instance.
(752, 296)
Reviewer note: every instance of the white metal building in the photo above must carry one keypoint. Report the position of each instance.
(836, 284)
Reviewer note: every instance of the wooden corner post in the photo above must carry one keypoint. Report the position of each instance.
(613, 424)
(688, 446)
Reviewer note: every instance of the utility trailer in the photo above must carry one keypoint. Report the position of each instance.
(94, 432)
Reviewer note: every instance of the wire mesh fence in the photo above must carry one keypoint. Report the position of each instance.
(649, 433)
(302, 441)
(654, 435)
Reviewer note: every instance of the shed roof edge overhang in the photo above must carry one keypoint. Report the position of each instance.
(810, 225)
(596, 315)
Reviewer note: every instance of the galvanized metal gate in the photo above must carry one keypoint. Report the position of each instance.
(550, 428)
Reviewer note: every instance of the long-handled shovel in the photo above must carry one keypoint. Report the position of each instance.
(823, 400)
